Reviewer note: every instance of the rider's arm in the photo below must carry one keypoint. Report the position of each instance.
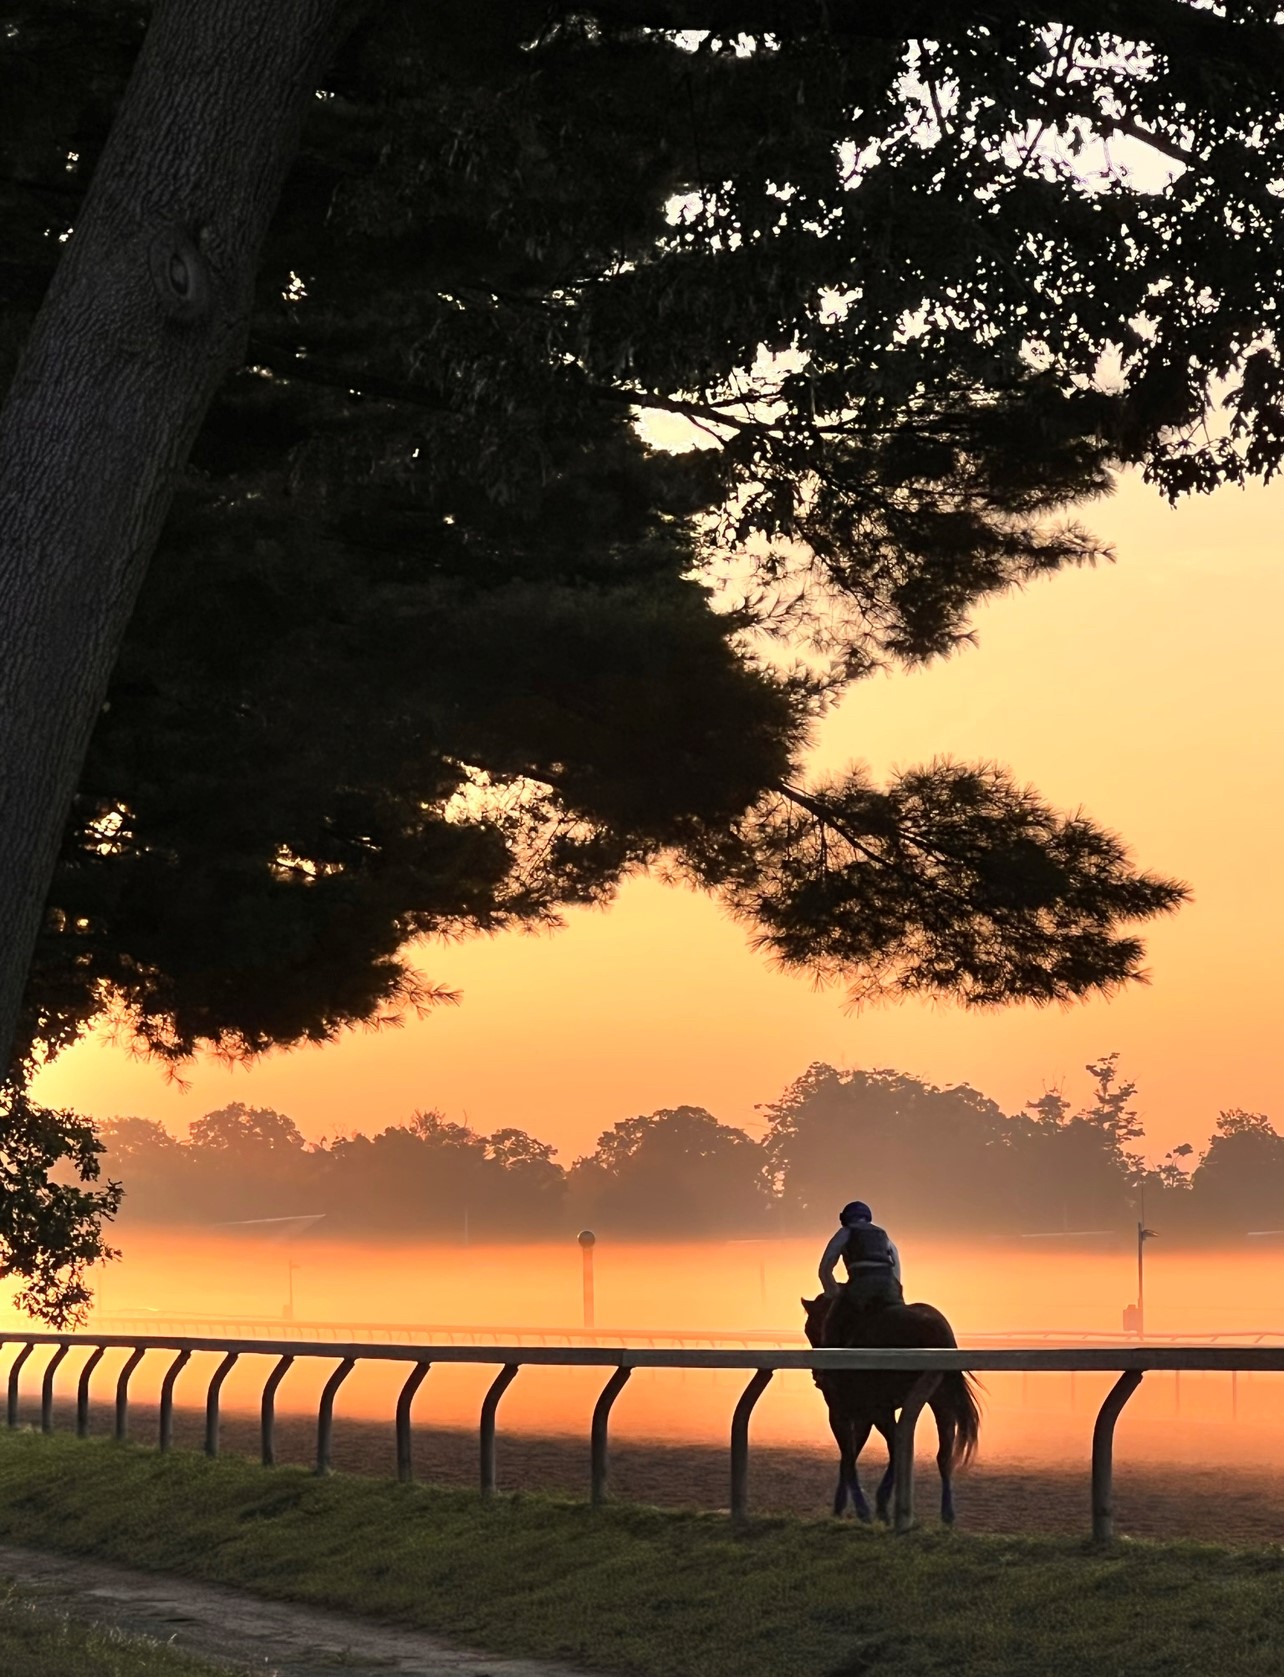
(896, 1260)
(828, 1258)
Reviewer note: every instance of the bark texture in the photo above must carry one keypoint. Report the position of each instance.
(148, 309)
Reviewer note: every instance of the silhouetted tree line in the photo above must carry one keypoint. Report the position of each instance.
(929, 1159)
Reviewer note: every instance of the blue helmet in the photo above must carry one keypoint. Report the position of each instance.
(855, 1211)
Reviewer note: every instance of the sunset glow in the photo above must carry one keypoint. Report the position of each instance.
(1147, 692)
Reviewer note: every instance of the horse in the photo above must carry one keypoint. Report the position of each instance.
(858, 1402)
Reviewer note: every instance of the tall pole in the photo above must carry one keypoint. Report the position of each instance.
(1143, 1235)
(1141, 1280)
(587, 1240)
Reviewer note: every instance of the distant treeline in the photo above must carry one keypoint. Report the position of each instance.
(927, 1159)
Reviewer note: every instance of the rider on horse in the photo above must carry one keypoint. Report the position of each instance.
(873, 1268)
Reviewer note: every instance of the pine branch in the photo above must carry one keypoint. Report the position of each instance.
(1172, 27)
(824, 813)
(293, 364)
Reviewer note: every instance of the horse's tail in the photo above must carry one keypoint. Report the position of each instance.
(960, 1393)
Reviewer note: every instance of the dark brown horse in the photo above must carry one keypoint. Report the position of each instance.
(859, 1403)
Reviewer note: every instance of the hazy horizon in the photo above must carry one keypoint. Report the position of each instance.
(712, 1285)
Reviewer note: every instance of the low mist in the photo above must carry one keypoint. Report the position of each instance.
(208, 1282)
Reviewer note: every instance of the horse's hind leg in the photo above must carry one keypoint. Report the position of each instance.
(946, 1433)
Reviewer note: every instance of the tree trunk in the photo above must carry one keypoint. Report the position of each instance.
(148, 309)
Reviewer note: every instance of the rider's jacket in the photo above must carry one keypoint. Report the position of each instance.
(863, 1247)
(868, 1247)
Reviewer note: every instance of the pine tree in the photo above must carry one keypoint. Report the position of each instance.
(344, 602)
(432, 641)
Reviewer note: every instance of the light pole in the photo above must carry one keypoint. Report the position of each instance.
(587, 1240)
(290, 1268)
(1143, 1235)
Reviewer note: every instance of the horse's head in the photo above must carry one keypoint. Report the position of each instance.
(814, 1313)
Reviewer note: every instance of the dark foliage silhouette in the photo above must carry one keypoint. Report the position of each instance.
(935, 1161)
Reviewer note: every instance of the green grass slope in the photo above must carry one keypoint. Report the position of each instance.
(630, 1590)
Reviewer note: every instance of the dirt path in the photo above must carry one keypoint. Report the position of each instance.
(269, 1638)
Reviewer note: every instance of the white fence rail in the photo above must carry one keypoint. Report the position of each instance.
(482, 1333)
(1130, 1363)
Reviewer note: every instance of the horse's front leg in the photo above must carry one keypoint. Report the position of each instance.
(850, 1432)
(841, 1429)
(883, 1495)
(946, 1431)
(849, 1475)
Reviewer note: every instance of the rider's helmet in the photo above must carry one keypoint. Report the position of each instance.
(855, 1211)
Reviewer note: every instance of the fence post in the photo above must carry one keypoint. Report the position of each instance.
(211, 1402)
(325, 1415)
(15, 1370)
(166, 1431)
(1103, 1449)
(82, 1392)
(740, 1442)
(267, 1413)
(122, 1392)
(490, 1403)
(598, 1447)
(903, 1449)
(415, 1379)
(47, 1385)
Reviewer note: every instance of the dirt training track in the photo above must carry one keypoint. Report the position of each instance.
(1212, 1501)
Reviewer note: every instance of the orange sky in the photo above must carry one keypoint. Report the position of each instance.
(1145, 692)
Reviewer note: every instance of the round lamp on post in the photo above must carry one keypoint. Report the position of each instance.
(587, 1240)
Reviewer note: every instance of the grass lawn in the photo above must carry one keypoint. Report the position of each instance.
(628, 1590)
(35, 1643)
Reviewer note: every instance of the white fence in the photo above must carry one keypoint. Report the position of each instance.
(483, 1333)
(1129, 1362)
